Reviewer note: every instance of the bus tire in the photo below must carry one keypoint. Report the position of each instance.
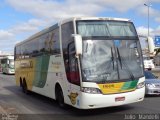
(59, 96)
(20, 83)
(24, 87)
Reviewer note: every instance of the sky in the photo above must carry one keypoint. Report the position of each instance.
(20, 19)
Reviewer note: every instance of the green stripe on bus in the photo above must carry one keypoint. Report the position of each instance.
(41, 71)
(129, 85)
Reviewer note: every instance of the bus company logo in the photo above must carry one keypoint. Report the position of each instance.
(28, 64)
(56, 65)
(108, 86)
(73, 97)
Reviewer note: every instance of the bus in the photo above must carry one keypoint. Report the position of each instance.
(7, 65)
(85, 62)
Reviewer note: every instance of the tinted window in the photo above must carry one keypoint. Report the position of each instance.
(55, 42)
(67, 31)
(47, 43)
(17, 52)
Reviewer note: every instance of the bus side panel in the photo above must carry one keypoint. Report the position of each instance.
(17, 72)
(24, 70)
(54, 74)
(30, 73)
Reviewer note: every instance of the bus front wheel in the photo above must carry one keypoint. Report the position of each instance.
(60, 97)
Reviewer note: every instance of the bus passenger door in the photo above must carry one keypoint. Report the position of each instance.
(73, 74)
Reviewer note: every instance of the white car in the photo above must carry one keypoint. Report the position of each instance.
(148, 63)
(152, 84)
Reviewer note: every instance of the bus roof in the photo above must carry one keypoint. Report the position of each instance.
(94, 18)
(68, 20)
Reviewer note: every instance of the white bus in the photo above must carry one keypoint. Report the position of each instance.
(86, 62)
(7, 65)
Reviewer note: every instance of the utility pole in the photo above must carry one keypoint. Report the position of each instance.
(148, 6)
(150, 41)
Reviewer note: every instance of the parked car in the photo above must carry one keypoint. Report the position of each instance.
(152, 84)
(148, 63)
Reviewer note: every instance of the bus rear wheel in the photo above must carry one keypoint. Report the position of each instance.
(60, 97)
(24, 87)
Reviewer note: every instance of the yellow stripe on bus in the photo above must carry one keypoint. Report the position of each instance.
(111, 88)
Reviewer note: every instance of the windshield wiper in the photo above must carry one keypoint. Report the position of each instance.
(112, 57)
(119, 57)
(122, 60)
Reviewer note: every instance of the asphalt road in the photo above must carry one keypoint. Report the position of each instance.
(14, 103)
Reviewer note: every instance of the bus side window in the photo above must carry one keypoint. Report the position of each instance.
(73, 74)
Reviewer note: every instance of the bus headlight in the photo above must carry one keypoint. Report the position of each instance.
(91, 90)
(140, 85)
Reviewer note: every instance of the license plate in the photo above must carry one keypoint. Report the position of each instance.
(119, 99)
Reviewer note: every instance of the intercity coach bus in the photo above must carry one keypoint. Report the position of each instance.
(85, 62)
(7, 65)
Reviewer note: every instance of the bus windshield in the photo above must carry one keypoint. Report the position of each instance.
(107, 59)
(11, 63)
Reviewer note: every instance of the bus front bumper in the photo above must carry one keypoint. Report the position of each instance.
(92, 101)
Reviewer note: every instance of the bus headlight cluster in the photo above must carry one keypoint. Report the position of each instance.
(91, 90)
(140, 85)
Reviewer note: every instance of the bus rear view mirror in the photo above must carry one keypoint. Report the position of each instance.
(78, 43)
